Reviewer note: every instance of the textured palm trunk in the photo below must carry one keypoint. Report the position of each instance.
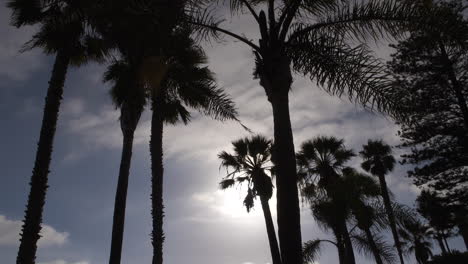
(375, 250)
(274, 248)
(30, 232)
(157, 170)
(390, 215)
(350, 258)
(289, 223)
(129, 120)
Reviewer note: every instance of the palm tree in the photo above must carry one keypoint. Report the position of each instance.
(61, 31)
(415, 236)
(249, 163)
(310, 38)
(358, 190)
(379, 161)
(321, 161)
(185, 83)
(129, 95)
(431, 208)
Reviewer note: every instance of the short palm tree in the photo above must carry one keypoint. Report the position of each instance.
(61, 31)
(360, 193)
(430, 206)
(415, 237)
(185, 83)
(379, 161)
(248, 164)
(321, 161)
(129, 95)
(353, 192)
(310, 38)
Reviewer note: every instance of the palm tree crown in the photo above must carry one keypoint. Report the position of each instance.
(378, 158)
(249, 163)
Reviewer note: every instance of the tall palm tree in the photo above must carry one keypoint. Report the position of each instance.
(185, 83)
(310, 38)
(249, 163)
(61, 31)
(128, 94)
(321, 161)
(379, 161)
(415, 236)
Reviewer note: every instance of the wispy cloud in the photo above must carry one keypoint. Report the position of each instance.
(14, 65)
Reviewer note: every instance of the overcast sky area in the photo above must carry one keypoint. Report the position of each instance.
(202, 224)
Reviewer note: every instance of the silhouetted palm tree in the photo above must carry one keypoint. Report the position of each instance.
(128, 94)
(314, 37)
(321, 161)
(61, 31)
(379, 161)
(439, 217)
(353, 191)
(358, 190)
(249, 163)
(185, 83)
(415, 236)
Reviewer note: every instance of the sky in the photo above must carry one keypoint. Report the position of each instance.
(202, 223)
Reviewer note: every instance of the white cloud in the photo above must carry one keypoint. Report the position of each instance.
(64, 262)
(10, 229)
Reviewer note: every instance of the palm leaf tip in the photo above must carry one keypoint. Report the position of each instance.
(226, 183)
(311, 251)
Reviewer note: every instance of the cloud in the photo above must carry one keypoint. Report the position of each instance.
(14, 65)
(64, 262)
(10, 229)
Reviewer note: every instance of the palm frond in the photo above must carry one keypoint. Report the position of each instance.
(226, 183)
(363, 246)
(311, 251)
(341, 69)
(359, 19)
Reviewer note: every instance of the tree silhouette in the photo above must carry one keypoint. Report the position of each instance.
(310, 38)
(185, 83)
(321, 161)
(378, 160)
(60, 32)
(438, 216)
(129, 95)
(248, 164)
(414, 235)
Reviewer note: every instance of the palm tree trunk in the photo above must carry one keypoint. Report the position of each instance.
(275, 253)
(375, 249)
(340, 246)
(391, 217)
(36, 200)
(157, 171)
(289, 223)
(121, 201)
(447, 245)
(441, 245)
(350, 258)
(128, 130)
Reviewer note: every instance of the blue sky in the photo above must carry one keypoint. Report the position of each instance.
(202, 224)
